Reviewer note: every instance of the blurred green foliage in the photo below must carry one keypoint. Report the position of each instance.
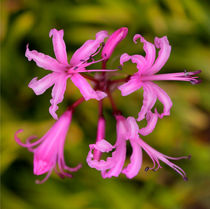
(186, 131)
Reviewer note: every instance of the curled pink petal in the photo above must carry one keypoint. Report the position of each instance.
(40, 86)
(132, 85)
(163, 98)
(44, 61)
(113, 41)
(149, 49)
(88, 48)
(124, 58)
(101, 146)
(59, 45)
(163, 54)
(149, 99)
(133, 168)
(133, 127)
(58, 94)
(152, 119)
(138, 59)
(117, 159)
(85, 88)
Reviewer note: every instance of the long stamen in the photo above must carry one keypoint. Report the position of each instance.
(45, 178)
(183, 76)
(156, 156)
(27, 144)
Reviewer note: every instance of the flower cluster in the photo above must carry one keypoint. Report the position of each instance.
(49, 150)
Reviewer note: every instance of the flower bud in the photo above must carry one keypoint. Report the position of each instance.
(112, 42)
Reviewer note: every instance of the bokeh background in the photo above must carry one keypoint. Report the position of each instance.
(186, 131)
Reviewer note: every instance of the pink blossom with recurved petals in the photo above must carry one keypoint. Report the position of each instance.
(127, 129)
(49, 150)
(62, 70)
(114, 164)
(147, 68)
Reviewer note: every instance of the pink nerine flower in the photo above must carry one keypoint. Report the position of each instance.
(62, 70)
(147, 68)
(127, 129)
(113, 165)
(49, 150)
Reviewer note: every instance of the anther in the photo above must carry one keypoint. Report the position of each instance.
(119, 67)
(193, 82)
(146, 169)
(185, 178)
(186, 73)
(189, 157)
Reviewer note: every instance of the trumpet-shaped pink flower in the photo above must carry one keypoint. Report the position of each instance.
(62, 70)
(127, 129)
(49, 150)
(147, 68)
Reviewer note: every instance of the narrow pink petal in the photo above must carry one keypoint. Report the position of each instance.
(57, 94)
(85, 88)
(163, 54)
(41, 166)
(133, 127)
(119, 155)
(131, 86)
(59, 45)
(138, 59)
(101, 146)
(113, 41)
(118, 160)
(134, 166)
(88, 48)
(140, 62)
(124, 58)
(44, 61)
(151, 123)
(163, 98)
(136, 158)
(45, 178)
(149, 49)
(40, 86)
(149, 99)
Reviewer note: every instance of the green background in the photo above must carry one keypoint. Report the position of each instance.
(187, 26)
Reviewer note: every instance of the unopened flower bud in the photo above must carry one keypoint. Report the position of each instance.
(112, 42)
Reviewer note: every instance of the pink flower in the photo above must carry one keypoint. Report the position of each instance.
(49, 150)
(62, 70)
(127, 129)
(113, 41)
(113, 165)
(147, 68)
